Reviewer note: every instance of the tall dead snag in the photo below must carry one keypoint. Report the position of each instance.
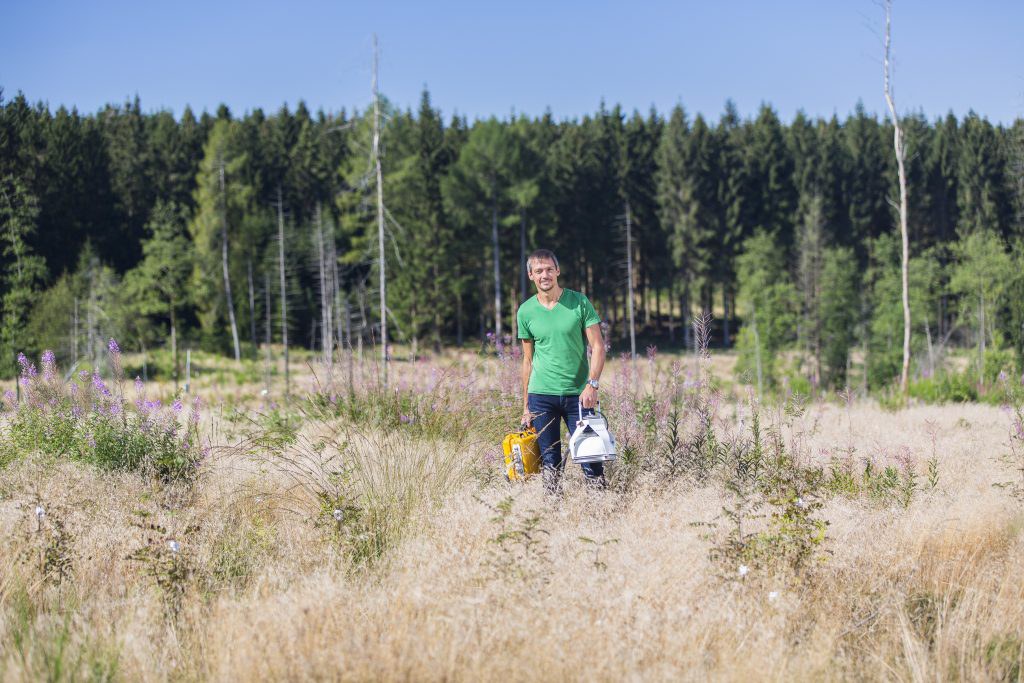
(899, 145)
(497, 256)
(380, 219)
(326, 292)
(629, 282)
(224, 263)
(284, 288)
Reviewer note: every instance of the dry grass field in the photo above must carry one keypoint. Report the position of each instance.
(347, 547)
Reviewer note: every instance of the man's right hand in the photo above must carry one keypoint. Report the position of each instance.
(527, 418)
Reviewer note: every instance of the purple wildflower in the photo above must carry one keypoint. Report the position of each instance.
(652, 352)
(10, 395)
(49, 363)
(97, 382)
(177, 406)
(113, 347)
(405, 419)
(138, 385)
(83, 375)
(27, 369)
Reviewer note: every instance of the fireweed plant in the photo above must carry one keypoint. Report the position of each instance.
(84, 418)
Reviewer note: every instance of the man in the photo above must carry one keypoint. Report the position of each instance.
(555, 326)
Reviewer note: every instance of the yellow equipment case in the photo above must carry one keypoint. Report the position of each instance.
(522, 454)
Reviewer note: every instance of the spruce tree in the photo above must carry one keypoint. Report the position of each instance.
(767, 301)
(23, 273)
(222, 201)
(839, 313)
(158, 286)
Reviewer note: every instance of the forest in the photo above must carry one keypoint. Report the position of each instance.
(233, 233)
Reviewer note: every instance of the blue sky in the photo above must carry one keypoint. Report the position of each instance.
(490, 58)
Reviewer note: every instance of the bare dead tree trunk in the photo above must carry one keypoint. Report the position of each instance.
(326, 324)
(981, 342)
(757, 352)
(284, 288)
(629, 282)
(174, 343)
(224, 264)
(75, 325)
(899, 146)
(252, 302)
(380, 219)
(348, 345)
(726, 337)
(497, 268)
(522, 253)
(269, 333)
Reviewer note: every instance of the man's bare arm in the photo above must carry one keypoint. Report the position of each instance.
(527, 369)
(596, 341)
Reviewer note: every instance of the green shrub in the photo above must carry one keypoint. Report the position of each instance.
(945, 387)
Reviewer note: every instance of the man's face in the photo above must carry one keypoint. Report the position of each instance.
(544, 274)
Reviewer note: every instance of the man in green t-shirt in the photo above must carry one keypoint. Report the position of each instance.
(555, 326)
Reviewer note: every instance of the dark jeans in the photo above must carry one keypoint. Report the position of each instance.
(548, 414)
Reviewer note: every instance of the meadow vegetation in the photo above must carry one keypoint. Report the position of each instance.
(352, 532)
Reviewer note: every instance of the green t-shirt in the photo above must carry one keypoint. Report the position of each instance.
(560, 365)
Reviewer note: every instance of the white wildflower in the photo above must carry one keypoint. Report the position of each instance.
(801, 503)
(40, 512)
(773, 596)
(338, 515)
(744, 570)
(174, 546)
(264, 392)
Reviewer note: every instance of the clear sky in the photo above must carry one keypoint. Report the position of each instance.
(492, 58)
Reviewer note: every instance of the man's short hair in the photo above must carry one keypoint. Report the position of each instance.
(539, 254)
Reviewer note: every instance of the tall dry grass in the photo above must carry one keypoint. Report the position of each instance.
(425, 578)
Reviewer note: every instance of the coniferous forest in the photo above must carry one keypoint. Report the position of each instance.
(225, 232)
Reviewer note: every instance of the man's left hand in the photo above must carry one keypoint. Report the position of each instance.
(589, 397)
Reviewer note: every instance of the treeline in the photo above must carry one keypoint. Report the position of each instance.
(138, 225)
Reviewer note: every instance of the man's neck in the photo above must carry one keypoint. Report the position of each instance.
(550, 297)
